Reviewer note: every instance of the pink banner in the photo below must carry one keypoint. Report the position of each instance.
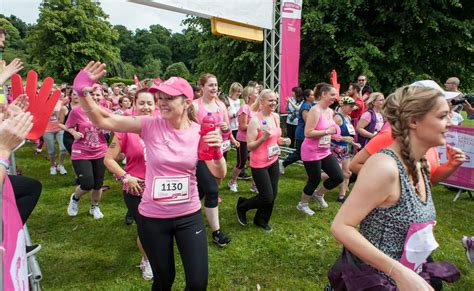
(15, 274)
(289, 48)
(461, 137)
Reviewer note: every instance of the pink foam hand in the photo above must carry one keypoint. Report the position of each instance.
(81, 81)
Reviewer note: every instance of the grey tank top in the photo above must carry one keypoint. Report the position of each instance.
(386, 228)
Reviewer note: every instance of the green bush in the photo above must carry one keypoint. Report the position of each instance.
(113, 80)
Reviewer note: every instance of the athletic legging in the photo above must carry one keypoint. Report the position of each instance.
(27, 192)
(90, 173)
(156, 236)
(330, 166)
(132, 203)
(207, 185)
(242, 155)
(295, 156)
(68, 140)
(266, 180)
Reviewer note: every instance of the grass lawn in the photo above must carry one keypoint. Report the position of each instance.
(83, 254)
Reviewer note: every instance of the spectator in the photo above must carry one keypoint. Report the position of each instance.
(365, 89)
(452, 85)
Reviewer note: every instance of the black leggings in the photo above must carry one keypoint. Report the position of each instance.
(207, 185)
(156, 236)
(295, 156)
(291, 133)
(266, 180)
(132, 203)
(68, 140)
(313, 168)
(27, 192)
(242, 155)
(90, 173)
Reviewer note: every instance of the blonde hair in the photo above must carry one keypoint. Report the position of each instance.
(262, 96)
(235, 87)
(372, 97)
(246, 92)
(405, 105)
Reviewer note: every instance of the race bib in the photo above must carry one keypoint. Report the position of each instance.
(350, 128)
(419, 244)
(273, 150)
(171, 190)
(325, 141)
(225, 146)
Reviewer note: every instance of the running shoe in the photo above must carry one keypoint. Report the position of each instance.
(253, 189)
(341, 199)
(281, 167)
(53, 171)
(62, 170)
(244, 176)
(73, 207)
(320, 200)
(32, 250)
(265, 226)
(468, 243)
(95, 212)
(241, 217)
(145, 267)
(232, 186)
(304, 207)
(220, 238)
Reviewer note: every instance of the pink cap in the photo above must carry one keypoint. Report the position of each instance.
(174, 86)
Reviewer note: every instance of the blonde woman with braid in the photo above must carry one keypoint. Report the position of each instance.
(397, 206)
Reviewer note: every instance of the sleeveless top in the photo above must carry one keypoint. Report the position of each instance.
(218, 115)
(387, 228)
(311, 149)
(266, 153)
(344, 130)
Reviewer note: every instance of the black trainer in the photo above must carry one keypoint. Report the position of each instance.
(220, 238)
(244, 176)
(266, 227)
(31, 250)
(241, 217)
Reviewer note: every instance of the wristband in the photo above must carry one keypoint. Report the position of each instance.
(123, 177)
(5, 163)
(81, 81)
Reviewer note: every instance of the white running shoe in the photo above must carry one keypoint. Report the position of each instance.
(147, 272)
(254, 189)
(62, 170)
(95, 211)
(232, 186)
(320, 200)
(282, 168)
(304, 207)
(73, 207)
(53, 171)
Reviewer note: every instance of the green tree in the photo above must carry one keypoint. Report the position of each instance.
(151, 69)
(67, 36)
(177, 70)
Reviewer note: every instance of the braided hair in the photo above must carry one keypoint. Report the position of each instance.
(406, 105)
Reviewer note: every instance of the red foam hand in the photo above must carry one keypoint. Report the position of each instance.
(42, 102)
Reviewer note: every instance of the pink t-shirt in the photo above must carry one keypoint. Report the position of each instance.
(134, 149)
(53, 124)
(266, 153)
(244, 109)
(379, 119)
(317, 148)
(170, 168)
(93, 145)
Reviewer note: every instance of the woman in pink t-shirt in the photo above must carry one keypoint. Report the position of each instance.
(133, 176)
(263, 140)
(170, 208)
(316, 150)
(54, 132)
(208, 186)
(88, 151)
(244, 114)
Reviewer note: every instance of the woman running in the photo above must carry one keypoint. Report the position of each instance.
(88, 151)
(133, 176)
(170, 208)
(371, 121)
(391, 209)
(263, 140)
(207, 184)
(316, 151)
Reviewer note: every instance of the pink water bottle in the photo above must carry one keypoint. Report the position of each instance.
(205, 152)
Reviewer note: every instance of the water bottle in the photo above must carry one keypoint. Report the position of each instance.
(205, 152)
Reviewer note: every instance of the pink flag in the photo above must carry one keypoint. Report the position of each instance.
(135, 79)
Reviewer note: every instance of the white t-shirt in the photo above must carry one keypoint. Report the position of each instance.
(233, 109)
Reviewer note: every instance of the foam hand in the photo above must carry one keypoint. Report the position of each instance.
(41, 103)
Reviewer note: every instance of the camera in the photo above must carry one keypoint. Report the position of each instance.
(468, 97)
